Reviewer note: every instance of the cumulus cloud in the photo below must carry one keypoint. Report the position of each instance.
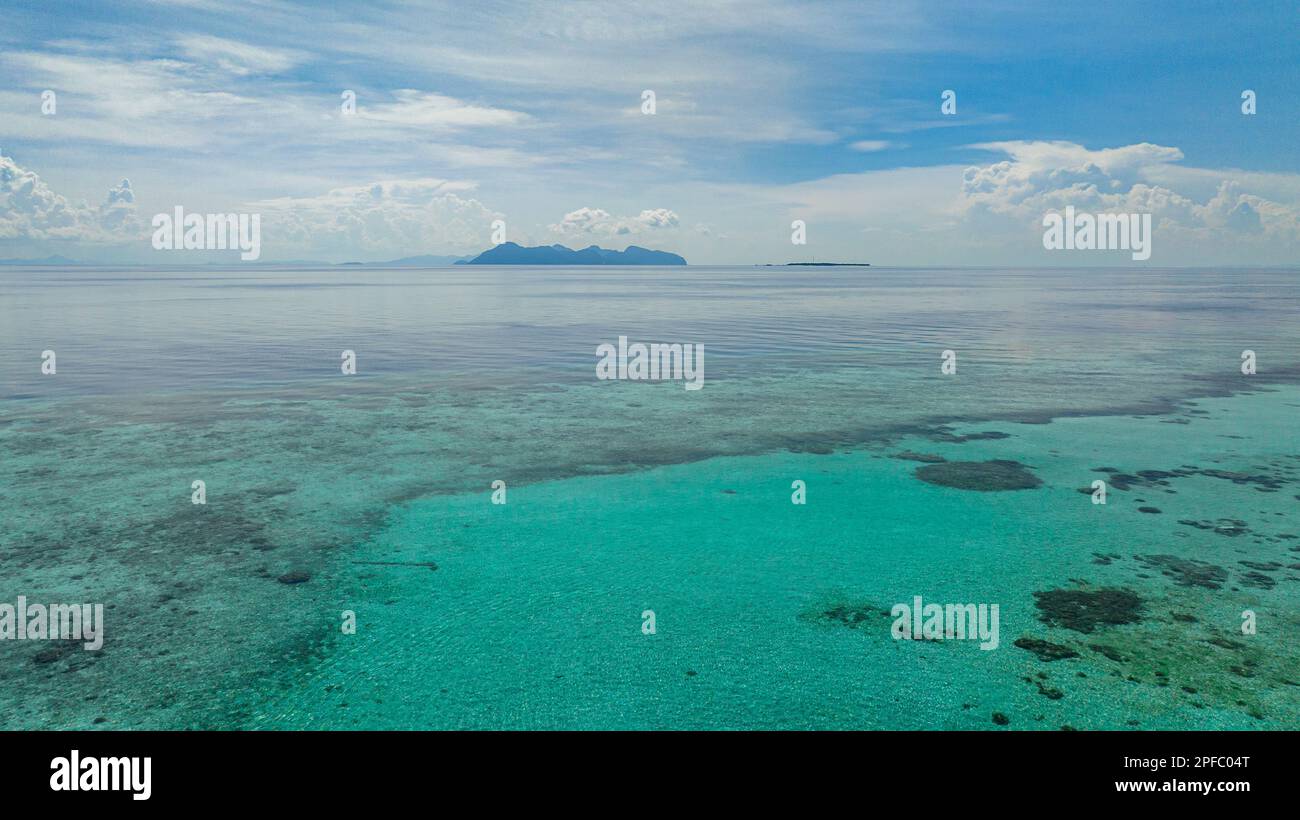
(1040, 177)
(597, 221)
(31, 210)
(393, 217)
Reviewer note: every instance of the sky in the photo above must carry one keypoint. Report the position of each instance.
(765, 112)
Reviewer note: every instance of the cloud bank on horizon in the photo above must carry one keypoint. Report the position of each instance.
(764, 112)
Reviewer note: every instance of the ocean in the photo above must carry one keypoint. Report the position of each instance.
(944, 427)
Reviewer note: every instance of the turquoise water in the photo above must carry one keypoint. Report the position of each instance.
(632, 496)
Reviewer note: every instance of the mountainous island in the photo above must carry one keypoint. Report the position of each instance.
(511, 253)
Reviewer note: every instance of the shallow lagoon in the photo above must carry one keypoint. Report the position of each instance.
(632, 496)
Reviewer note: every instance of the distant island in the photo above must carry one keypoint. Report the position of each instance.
(511, 253)
(419, 262)
(507, 253)
(60, 261)
(821, 265)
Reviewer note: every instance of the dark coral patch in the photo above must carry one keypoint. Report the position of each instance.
(928, 458)
(1046, 650)
(981, 476)
(1263, 566)
(1230, 527)
(988, 435)
(852, 615)
(1186, 572)
(1049, 692)
(1084, 610)
(1257, 580)
(1109, 651)
(1160, 478)
(1266, 482)
(57, 652)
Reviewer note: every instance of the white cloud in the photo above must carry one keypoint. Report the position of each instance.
(428, 110)
(677, 43)
(209, 100)
(1045, 176)
(597, 221)
(159, 103)
(30, 210)
(991, 214)
(868, 146)
(237, 58)
(377, 220)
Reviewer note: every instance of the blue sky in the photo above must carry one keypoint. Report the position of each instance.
(766, 112)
